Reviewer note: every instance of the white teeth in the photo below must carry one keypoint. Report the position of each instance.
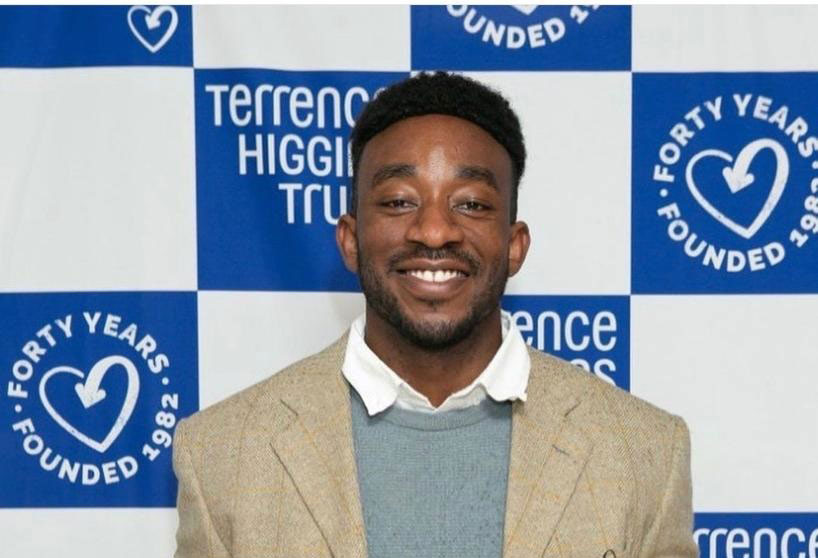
(437, 276)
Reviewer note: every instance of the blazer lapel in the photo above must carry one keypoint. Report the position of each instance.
(317, 452)
(548, 454)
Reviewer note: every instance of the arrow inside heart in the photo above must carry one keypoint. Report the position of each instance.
(152, 19)
(89, 392)
(737, 176)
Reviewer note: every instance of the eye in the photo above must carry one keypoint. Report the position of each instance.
(473, 206)
(397, 204)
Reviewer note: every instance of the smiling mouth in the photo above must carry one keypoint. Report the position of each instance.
(434, 276)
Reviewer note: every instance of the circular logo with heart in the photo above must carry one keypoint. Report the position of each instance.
(92, 398)
(736, 182)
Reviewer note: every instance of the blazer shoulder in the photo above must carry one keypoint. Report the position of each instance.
(224, 419)
(618, 422)
(209, 446)
(605, 401)
(642, 441)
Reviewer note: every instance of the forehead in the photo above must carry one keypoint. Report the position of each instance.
(433, 137)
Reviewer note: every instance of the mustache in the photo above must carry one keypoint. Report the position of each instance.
(422, 252)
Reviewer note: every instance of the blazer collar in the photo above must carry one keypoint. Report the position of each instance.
(548, 453)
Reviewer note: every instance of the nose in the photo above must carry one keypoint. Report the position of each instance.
(434, 226)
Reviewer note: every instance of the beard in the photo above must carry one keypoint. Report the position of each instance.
(429, 335)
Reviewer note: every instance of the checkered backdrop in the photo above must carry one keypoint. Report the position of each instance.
(170, 178)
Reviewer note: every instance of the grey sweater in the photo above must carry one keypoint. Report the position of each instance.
(433, 485)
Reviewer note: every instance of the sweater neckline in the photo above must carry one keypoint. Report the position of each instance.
(445, 420)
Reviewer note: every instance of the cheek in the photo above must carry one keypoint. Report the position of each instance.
(377, 243)
(380, 229)
(490, 244)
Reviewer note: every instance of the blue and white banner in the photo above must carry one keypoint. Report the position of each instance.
(273, 166)
(725, 183)
(521, 37)
(171, 178)
(56, 37)
(592, 332)
(733, 535)
(97, 384)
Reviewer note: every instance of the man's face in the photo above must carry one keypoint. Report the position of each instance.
(432, 241)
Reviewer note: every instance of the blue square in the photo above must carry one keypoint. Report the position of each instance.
(725, 183)
(65, 36)
(521, 37)
(592, 332)
(95, 384)
(755, 534)
(273, 175)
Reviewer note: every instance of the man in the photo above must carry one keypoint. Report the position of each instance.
(431, 429)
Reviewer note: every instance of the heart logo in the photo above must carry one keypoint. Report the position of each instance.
(90, 394)
(152, 21)
(738, 178)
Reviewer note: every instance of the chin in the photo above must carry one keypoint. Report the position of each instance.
(435, 331)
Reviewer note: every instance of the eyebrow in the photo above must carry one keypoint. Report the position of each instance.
(405, 170)
(397, 170)
(483, 174)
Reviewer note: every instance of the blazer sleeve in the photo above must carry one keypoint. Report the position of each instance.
(671, 533)
(196, 537)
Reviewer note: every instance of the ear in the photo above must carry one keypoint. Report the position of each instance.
(346, 235)
(518, 247)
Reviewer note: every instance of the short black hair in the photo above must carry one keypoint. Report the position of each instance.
(441, 93)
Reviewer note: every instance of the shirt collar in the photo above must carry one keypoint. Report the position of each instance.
(504, 378)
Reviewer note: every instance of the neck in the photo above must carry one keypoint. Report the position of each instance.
(435, 373)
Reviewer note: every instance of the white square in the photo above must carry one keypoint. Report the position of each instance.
(361, 38)
(89, 532)
(98, 188)
(244, 337)
(740, 370)
(575, 193)
(724, 38)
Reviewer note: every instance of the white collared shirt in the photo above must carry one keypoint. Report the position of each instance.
(505, 378)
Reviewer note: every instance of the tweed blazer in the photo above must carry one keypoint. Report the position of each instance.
(594, 472)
